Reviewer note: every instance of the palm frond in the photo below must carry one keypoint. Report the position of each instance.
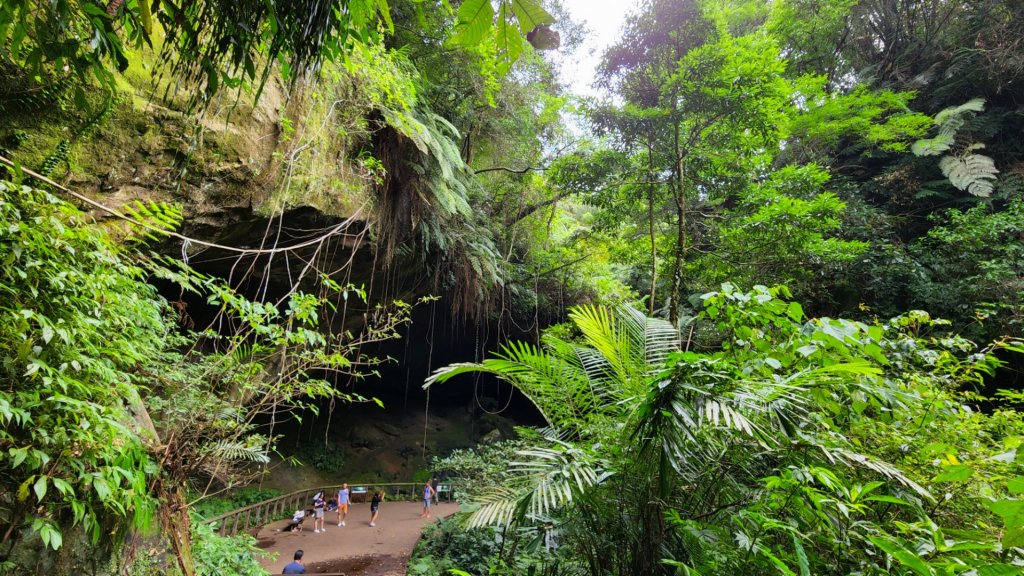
(601, 333)
(497, 508)
(547, 479)
(655, 338)
(851, 458)
(558, 388)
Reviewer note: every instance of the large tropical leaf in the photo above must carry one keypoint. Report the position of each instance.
(530, 14)
(474, 20)
(508, 38)
(653, 338)
(557, 387)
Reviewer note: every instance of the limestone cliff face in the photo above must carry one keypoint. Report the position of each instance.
(356, 144)
(246, 174)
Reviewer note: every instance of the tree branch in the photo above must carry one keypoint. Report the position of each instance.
(511, 170)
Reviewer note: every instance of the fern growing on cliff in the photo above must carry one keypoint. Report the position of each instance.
(153, 219)
(966, 170)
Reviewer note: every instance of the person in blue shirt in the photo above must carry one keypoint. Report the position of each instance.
(343, 498)
(428, 495)
(295, 566)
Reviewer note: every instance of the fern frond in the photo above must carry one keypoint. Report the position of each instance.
(968, 171)
(972, 172)
(154, 219)
(933, 146)
(237, 452)
(951, 115)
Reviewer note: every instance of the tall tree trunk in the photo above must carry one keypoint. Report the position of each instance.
(178, 527)
(680, 255)
(175, 523)
(652, 190)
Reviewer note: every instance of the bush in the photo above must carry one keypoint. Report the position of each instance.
(478, 470)
(446, 545)
(215, 506)
(216, 555)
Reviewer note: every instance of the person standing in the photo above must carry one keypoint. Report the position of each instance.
(343, 498)
(295, 566)
(434, 484)
(378, 497)
(318, 512)
(428, 495)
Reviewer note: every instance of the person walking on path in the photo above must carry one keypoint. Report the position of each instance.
(318, 513)
(378, 497)
(428, 495)
(295, 566)
(343, 497)
(434, 484)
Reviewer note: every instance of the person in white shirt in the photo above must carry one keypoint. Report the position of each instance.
(318, 512)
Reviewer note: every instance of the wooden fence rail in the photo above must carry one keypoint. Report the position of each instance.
(254, 516)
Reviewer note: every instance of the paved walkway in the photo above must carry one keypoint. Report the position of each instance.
(356, 549)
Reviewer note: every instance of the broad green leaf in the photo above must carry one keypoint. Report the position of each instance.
(807, 350)
(954, 473)
(40, 488)
(62, 486)
(530, 14)
(475, 18)
(385, 13)
(795, 311)
(1012, 513)
(18, 456)
(1016, 486)
(24, 488)
(51, 536)
(888, 500)
(801, 557)
(510, 42)
(903, 555)
(101, 487)
(999, 570)
(779, 564)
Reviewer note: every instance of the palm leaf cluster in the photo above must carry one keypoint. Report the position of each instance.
(658, 457)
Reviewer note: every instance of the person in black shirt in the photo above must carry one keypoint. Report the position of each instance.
(378, 497)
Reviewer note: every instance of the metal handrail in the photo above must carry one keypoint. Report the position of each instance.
(260, 513)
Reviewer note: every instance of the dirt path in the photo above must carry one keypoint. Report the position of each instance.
(356, 549)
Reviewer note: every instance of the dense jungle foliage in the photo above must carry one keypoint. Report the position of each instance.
(766, 292)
